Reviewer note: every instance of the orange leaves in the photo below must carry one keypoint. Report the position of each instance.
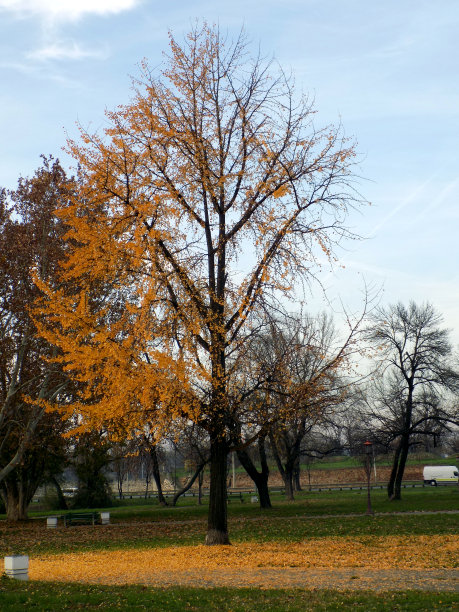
(281, 191)
(198, 199)
(123, 566)
(81, 308)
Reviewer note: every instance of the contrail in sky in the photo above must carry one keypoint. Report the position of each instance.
(401, 206)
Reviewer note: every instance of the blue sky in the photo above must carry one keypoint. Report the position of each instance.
(387, 70)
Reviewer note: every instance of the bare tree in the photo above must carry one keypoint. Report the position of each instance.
(149, 446)
(125, 455)
(306, 362)
(414, 375)
(192, 444)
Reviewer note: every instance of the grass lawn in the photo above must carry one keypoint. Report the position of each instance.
(139, 525)
(342, 461)
(285, 522)
(308, 503)
(18, 597)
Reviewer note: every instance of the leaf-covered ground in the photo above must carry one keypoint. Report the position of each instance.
(268, 565)
(281, 549)
(33, 538)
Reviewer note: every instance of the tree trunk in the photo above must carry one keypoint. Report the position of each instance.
(398, 469)
(288, 482)
(285, 472)
(16, 502)
(405, 445)
(189, 484)
(147, 484)
(265, 501)
(119, 482)
(200, 482)
(217, 525)
(393, 473)
(296, 475)
(259, 478)
(217, 519)
(60, 496)
(157, 475)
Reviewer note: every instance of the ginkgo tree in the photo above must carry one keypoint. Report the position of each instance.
(211, 192)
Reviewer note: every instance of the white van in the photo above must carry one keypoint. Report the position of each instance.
(440, 474)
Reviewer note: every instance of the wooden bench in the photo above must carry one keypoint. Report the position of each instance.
(236, 494)
(82, 518)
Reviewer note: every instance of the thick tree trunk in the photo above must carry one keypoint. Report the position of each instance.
(263, 494)
(405, 445)
(259, 478)
(217, 526)
(265, 501)
(393, 473)
(15, 499)
(217, 520)
(157, 475)
(288, 483)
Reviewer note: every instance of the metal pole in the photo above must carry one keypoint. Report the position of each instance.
(374, 462)
(175, 468)
(368, 446)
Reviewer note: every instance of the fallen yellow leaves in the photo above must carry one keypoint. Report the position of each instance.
(122, 566)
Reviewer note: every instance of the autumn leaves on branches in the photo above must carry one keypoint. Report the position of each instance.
(204, 201)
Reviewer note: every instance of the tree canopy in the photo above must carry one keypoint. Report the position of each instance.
(30, 242)
(207, 197)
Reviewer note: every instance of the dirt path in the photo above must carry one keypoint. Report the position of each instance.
(338, 579)
(284, 578)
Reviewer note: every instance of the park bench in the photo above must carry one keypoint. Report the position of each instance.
(235, 494)
(82, 518)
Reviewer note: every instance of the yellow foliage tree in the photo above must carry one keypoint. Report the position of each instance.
(207, 193)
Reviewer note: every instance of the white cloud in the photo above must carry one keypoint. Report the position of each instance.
(60, 51)
(66, 10)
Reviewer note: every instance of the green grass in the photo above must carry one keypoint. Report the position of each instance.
(311, 503)
(149, 525)
(154, 526)
(83, 539)
(16, 596)
(342, 461)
